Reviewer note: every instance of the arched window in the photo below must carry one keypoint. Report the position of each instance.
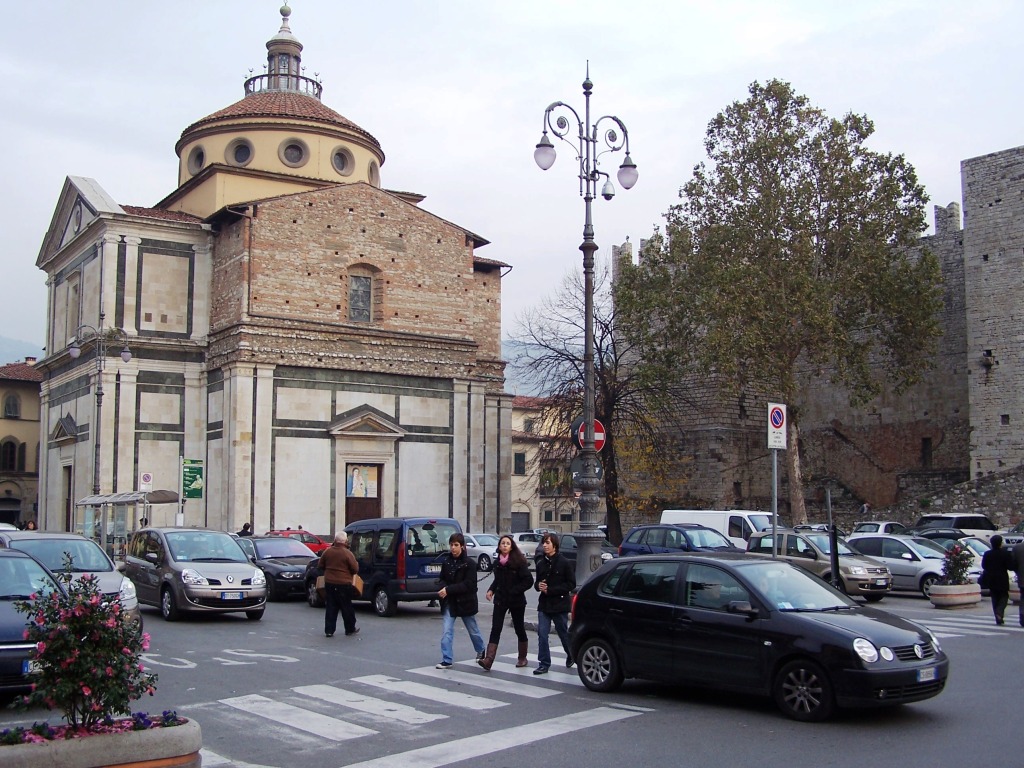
(12, 407)
(9, 456)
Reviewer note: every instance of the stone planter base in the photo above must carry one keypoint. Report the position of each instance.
(176, 747)
(955, 595)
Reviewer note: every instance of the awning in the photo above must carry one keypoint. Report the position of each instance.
(129, 497)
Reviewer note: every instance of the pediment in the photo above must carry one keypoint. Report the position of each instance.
(365, 421)
(65, 431)
(81, 202)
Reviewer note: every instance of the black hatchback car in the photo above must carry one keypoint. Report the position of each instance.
(283, 560)
(739, 623)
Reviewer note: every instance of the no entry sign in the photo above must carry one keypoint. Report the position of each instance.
(578, 432)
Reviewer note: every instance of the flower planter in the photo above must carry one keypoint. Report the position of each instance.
(955, 595)
(176, 747)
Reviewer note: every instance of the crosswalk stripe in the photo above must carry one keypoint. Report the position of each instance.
(368, 704)
(430, 692)
(303, 719)
(496, 741)
(489, 682)
(551, 676)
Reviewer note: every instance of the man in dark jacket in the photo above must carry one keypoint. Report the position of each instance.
(995, 566)
(556, 579)
(339, 566)
(458, 599)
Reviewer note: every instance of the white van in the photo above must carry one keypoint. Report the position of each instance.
(736, 524)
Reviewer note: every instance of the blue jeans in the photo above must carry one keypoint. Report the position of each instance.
(544, 622)
(448, 635)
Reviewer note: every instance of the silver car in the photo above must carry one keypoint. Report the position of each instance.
(194, 569)
(915, 563)
(87, 557)
(481, 547)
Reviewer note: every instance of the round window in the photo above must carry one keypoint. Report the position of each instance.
(343, 161)
(239, 152)
(294, 152)
(196, 160)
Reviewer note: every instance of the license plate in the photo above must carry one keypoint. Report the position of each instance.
(432, 569)
(230, 595)
(925, 675)
(881, 582)
(29, 667)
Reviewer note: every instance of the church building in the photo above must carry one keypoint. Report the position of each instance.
(280, 340)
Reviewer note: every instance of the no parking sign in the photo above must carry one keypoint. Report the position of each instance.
(777, 426)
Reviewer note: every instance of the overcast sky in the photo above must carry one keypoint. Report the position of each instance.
(455, 90)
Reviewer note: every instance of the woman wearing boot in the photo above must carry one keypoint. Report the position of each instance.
(508, 591)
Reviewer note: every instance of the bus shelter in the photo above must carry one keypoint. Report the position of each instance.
(108, 518)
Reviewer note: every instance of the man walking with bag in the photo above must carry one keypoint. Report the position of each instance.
(339, 566)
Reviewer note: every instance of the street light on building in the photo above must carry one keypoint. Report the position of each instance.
(99, 338)
(589, 145)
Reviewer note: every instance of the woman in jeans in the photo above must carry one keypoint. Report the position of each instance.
(556, 579)
(458, 599)
(508, 591)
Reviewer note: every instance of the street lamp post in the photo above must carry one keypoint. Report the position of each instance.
(100, 338)
(587, 145)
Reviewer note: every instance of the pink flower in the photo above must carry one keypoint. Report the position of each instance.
(86, 690)
(40, 647)
(110, 671)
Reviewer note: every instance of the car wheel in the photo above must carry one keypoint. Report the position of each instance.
(313, 596)
(598, 666)
(928, 582)
(803, 692)
(383, 603)
(254, 615)
(168, 607)
(272, 593)
(873, 598)
(483, 563)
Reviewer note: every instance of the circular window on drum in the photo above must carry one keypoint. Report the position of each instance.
(293, 152)
(196, 160)
(239, 153)
(343, 161)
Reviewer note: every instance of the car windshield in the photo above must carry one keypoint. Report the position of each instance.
(706, 538)
(21, 577)
(821, 541)
(281, 547)
(788, 588)
(204, 547)
(760, 522)
(865, 528)
(486, 539)
(429, 539)
(976, 545)
(86, 555)
(247, 546)
(927, 548)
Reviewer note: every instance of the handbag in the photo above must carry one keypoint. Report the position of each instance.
(983, 580)
(357, 584)
(320, 587)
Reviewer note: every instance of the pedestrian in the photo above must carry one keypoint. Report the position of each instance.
(458, 599)
(508, 591)
(995, 567)
(339, 565)
(246, 530)
(30, 525)
(556, 580)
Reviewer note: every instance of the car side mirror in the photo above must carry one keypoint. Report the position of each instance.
(119, 565)
(742, 606)
(152, 557)
(907, 556)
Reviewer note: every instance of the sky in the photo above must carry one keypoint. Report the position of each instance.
(455, 91)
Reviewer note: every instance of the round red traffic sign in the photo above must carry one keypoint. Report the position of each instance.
(599, 434)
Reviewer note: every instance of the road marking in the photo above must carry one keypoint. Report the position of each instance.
(489, 682)
(369, 704)
(430, 692)
(496, 741)
(303, 719)
(551, 677)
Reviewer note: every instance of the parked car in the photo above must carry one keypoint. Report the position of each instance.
(399, 560)
(915, 562)
(685, 537)
(751, 625)
(971, 524)
(944, 537)
(819, 528)
(527, 541)
(87, 557)
(481, 547)
(1014, 536)
(568, 547)
(8, 527)
(811, 550)
(194, 569)
(879, 526)
(316, 543)
(21, 575)
(283, 560)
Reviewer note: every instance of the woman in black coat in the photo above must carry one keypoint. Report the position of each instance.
(995, 565)
(556, 579)
(458, 599)
(508, 591)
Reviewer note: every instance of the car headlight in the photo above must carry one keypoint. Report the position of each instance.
(129, 598)
(857, 570)
(258, 579)
(887, 653)
(866, 650)
(291, 575)
(194, 578)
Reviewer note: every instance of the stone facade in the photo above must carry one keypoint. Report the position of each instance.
(19, 441)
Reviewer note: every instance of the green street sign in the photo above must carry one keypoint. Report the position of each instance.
(192, 478)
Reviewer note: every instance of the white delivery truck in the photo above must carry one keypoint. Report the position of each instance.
(736, 524)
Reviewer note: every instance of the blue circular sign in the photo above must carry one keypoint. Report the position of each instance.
(778, 418)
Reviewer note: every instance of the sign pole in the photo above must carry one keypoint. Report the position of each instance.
(777, 429)
(775, 502)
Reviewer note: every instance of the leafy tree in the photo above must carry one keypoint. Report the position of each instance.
(792, 254)
(550, 344)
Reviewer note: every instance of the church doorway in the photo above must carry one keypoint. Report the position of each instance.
(362, 491)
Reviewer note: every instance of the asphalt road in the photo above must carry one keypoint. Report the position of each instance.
(279, 693)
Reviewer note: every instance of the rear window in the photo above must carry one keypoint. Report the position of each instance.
(429, 539)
